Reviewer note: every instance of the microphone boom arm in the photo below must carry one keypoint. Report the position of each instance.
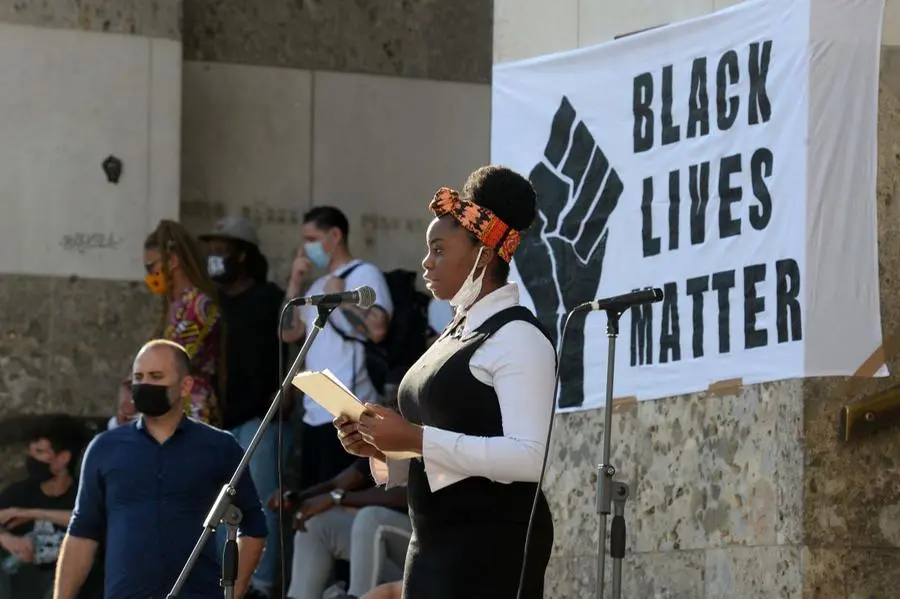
(223, 511)
(619, 303)
(364, 297)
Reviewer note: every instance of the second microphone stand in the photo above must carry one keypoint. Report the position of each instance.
(223, 512)
(610, 491)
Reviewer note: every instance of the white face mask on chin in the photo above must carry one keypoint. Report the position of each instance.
(470, 289)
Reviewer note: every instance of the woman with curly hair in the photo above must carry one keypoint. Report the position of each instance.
(190, 313)
(474, 410)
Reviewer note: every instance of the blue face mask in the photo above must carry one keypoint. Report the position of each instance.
(316, 254)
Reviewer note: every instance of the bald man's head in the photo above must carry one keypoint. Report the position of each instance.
(160, 364)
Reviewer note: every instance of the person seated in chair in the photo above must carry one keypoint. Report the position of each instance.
(346, 518)
(34, 512)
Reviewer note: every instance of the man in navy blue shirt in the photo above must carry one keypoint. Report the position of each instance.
(146, 488)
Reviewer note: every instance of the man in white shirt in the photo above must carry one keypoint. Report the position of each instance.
(339, 347)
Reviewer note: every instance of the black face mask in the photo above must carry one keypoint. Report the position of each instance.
(151, 400)
(38, 471)
(223, 269)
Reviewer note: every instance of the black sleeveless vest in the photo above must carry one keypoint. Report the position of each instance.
(440, 391)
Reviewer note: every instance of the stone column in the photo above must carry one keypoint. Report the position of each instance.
(79, 82)
(742, 493)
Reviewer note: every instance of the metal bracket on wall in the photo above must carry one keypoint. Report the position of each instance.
(869, 415)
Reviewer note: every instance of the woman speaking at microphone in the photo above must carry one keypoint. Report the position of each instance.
(475, 407)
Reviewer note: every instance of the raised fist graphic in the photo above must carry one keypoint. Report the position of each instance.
(560, 258)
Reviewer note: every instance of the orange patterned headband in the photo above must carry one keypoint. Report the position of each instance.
(481, 222)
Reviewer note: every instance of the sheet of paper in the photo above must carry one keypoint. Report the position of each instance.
(401, 455)
(338, 382)
(327, 391)
(330, 393)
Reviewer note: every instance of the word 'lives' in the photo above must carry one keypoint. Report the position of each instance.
(733, 177)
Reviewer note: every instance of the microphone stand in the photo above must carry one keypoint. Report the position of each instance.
(610, 491)
(223, 511)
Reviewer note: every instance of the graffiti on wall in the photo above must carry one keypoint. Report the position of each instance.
(82, 242)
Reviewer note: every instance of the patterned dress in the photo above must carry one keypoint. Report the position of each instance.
(195, 324)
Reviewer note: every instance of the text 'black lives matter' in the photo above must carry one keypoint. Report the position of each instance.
(560, 258)
(742, 188)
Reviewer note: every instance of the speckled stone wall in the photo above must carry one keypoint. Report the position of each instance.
(748, 495)
(434, 39)
(716, 494)
(65, 342)
(148, 18)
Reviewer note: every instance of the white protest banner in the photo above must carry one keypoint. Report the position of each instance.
(729, 160)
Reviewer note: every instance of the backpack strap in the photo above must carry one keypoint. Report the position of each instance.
(504, 317)
(347, 272)
(343, 334)
(507, 315)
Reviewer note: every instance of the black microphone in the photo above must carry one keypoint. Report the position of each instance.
(619, 303)
(364, 297)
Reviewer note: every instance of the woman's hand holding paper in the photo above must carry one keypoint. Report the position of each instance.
(389, 431)
(353, 441)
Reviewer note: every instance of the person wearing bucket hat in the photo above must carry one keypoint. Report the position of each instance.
(251, 306)
(238, 234)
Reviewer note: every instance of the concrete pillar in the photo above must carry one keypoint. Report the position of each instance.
(746, 494)
(80, 82)
(366, 106)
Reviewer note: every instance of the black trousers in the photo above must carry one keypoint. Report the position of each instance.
(321, 455)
